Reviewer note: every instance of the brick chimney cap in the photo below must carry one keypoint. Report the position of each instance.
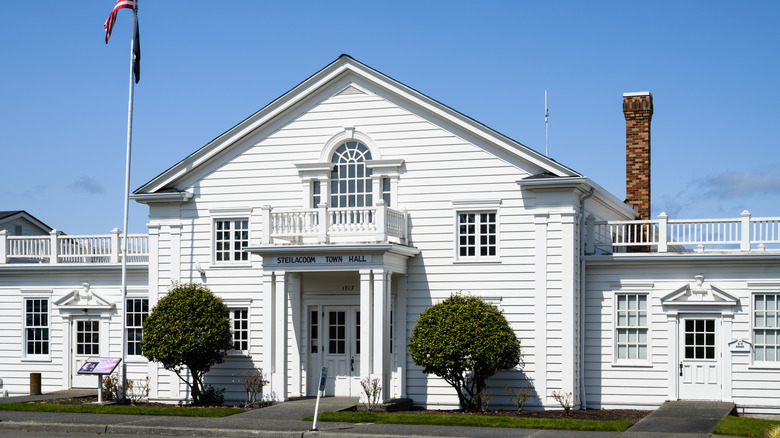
(637, 93)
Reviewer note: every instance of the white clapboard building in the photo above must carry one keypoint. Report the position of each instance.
(331, 218)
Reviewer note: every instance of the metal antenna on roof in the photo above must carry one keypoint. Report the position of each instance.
(546, 134)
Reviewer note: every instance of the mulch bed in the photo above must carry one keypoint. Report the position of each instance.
(579, 414)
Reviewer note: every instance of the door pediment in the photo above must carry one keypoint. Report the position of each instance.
(700, 293)
(84, 299)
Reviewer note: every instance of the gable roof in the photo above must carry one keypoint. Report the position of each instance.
(339, 69)
(7, 216)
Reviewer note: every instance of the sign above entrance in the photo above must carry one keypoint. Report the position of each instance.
(323, 259)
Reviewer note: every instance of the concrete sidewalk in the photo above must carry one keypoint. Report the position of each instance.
(675, 420)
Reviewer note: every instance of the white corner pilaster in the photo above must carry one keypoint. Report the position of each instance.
(266, 360)
(570, 303)
(399, 337)
(540, 304)
(381, 336)
(175, 251)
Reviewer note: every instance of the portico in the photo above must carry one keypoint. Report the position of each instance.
(331, 305)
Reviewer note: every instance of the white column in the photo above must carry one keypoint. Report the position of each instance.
(267, 357)
(726, 374)
(279, 381)
(54, 257)
(365, 323)
(115, 249)
(5, 248)
(296, 336)
(381, 344)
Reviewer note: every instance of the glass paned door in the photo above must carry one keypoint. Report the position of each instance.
(699, 357)
(85, 342)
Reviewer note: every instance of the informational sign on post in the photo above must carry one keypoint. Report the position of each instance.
(320, 391)
(99, 366)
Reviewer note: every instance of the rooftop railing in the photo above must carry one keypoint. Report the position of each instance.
(61, 248)
(663, 235)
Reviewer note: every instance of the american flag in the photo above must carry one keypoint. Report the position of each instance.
(109, 24)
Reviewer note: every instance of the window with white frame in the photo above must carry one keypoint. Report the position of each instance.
(36, 326)
(231, 236)
(239, 327)
(137, 311)
(631, 327)
(766, 327)
(350, 180)
(477, 234)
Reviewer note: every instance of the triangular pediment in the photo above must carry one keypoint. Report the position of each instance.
(84, 298)
(346, 77)
(699, 293)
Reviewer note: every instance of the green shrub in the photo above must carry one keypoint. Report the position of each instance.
(464, 340)
(188, 330)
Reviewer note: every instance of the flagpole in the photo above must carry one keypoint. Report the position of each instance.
(123, 378)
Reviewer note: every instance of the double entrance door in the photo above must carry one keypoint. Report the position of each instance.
(334, 342)
(699, 367)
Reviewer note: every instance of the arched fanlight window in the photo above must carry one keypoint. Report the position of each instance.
(350, 180)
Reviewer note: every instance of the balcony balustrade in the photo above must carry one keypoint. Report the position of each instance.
(377, 224)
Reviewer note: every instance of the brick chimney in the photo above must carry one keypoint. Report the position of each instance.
(638, 110)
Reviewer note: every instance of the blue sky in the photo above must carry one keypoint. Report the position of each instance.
(712, 68)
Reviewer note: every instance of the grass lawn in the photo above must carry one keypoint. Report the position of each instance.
(473, 420)
(174, 411)
(744, 426)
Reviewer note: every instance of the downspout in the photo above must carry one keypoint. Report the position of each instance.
(583, 401)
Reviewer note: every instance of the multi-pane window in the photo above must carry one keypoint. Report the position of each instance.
(137, 311)
(766, 327)
(88, 337)
(699, 339)
(631, 326)
(477, 234)
(36, 326)
(316, 193)
(350, 180)
(315, 332)
(230, 238)
(239, 327)
(337, 332)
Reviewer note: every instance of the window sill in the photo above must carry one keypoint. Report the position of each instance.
(222, 265)
(36, 359)
(758, 366)
(486, 260)
(238, 355)
(631, 364)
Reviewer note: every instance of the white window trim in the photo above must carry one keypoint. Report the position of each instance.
(476, 206)
(37, 294)
(632, 289)
(233, 214)
(137, 357)
(760, 288)
(240, 303)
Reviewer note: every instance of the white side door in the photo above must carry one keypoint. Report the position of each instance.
(700, 354)
(85, 342)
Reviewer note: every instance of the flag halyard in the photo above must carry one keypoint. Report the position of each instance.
(108, 26)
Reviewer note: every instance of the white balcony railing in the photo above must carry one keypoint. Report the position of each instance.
(334, 225)
(60, 248)
(683, 235)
